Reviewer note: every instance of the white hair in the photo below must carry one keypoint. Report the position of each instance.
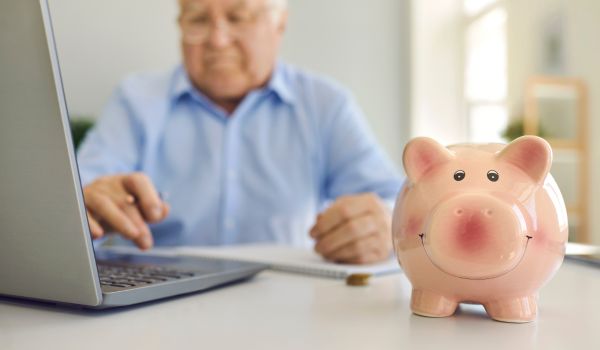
(280, 3)
(279, 7)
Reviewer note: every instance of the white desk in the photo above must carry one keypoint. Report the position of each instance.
(285, 311)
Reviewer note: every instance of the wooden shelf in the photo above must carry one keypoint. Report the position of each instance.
(556, 109)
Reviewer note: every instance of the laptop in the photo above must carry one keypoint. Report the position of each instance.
(46, 251)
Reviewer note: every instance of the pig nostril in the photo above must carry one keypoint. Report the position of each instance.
(458, 212)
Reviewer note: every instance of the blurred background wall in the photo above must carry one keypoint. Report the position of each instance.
(100, 42)
(436, 71)
(363, 46)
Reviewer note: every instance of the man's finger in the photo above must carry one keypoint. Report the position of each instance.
(96, 230)
(108, 212)
(149, 202)
(361, 251)
(346, 233)
(342, 210)
(369, 258)
(166, 209)
(144, 240)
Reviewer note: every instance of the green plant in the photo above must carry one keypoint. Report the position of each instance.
(79, 128)
(515, 129)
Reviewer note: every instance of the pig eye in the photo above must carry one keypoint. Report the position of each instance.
(459, 175)
(493, 176)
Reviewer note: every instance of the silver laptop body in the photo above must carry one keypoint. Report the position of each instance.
(46, 252)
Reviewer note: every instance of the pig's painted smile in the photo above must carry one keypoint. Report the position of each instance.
(495, 275)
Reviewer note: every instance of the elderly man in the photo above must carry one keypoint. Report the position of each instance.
(247, 148)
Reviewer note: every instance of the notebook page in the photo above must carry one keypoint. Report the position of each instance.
(290, 259)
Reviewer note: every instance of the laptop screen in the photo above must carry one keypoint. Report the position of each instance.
(45, 245)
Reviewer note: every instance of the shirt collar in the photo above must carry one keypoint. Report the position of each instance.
(278, 84)
(181, 84)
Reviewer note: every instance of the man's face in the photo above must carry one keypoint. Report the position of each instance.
(230, 46)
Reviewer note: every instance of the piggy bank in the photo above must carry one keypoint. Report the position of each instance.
(479, 223)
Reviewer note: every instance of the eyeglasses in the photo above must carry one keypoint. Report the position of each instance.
(196, 26)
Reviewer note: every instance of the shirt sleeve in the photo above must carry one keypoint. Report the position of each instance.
(113, 145)
(354, 162)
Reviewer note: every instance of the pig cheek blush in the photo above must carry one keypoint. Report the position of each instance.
(414, 226)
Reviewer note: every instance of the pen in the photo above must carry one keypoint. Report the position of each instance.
(164, 196)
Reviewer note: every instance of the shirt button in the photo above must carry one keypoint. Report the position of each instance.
(231, 174)
(229, 224)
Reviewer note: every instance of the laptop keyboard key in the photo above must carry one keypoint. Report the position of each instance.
(128, 276)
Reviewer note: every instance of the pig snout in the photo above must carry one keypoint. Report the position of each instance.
(475, 236)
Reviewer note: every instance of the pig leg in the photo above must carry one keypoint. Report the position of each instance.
(430, 304)
(518, 310)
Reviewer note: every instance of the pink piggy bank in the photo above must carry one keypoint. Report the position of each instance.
(479, 223)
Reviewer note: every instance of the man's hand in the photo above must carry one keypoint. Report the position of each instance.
(354, 229)
(124, 203)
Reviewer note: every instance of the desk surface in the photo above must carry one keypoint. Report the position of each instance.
(285, 311)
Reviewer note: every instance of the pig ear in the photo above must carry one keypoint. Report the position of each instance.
(531, 154)
(421, 154)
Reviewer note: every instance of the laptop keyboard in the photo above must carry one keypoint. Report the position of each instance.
(133, 276)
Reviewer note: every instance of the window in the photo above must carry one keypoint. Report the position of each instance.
(485, 70)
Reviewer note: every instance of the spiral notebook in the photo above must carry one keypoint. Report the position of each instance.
(290, 259)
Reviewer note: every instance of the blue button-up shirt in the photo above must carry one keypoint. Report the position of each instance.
(260, 174)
